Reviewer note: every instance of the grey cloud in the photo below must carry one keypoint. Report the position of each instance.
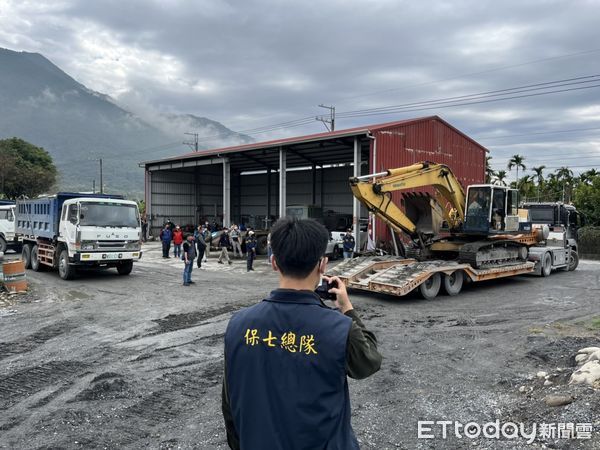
(254, 51)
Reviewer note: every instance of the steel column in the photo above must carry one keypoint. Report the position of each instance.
(226, 193)
(355, 202)
(282, 181)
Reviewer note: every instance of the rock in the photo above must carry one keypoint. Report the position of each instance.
(548, 383)
(558, 400)
(589, 350)
(522, 389)
(589, 373)
(541, 374)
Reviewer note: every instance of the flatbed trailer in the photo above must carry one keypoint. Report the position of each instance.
(398, 276)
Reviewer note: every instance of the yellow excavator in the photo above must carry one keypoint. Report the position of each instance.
(480, 227)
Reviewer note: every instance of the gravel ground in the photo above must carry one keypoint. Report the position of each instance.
(105, 361)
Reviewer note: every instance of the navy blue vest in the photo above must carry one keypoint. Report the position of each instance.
(286, 374)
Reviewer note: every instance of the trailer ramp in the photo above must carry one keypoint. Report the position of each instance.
(398, 276)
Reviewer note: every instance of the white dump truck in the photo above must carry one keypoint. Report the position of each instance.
(68, 231)
(8, 238)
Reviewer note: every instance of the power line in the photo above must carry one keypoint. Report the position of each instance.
(538, 133)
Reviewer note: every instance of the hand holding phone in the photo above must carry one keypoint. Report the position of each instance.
(338, 289)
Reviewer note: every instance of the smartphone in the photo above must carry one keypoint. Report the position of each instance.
(323, 288)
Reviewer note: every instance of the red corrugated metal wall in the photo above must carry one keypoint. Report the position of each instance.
(429, 140)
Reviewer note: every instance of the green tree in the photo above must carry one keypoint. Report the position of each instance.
(500, 176)
(539, 177)
(587, 200)
(518, 162)
(24, 169)
(564, 175)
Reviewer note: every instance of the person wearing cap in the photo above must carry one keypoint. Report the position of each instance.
(177, 241)
(349, 244)
(189, 253)
(250, 249)
(288, 358)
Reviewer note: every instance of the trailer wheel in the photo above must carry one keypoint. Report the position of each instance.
(65, 271)
(453, 283)
(546, 264)
(430, 287)
(261, 245)
(35, 260)
(3, 245)
(125, 268)
(26, 256)
(573, 260)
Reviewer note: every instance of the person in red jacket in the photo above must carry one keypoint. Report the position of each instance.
(177, 241)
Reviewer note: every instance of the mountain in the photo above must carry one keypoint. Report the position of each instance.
(43, 105)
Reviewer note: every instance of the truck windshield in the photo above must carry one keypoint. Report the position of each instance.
(108, 215)
(542, 215)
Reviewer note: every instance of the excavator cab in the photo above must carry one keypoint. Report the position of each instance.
(491, 210)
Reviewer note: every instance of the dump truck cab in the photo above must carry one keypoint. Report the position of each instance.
(491, 209)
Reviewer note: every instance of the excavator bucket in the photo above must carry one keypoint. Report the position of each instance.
(424, 211)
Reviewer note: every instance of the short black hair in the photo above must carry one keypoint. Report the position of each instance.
(298, 245)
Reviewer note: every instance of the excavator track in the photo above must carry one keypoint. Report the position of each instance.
(489, 254)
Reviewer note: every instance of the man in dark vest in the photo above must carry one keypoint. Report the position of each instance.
(287, 358)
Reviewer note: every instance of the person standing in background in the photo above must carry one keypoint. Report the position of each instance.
(189, 253)
(236, 241)
(144, 228)
(177, 241)
(200, 246)
(207, 235)
(224, 243)
(166, 236)
(250, 249)
(269, 249)
(349, 244)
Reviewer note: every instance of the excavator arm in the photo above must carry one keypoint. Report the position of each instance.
(374, 192)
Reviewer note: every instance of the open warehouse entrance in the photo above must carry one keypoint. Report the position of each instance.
(256, 183)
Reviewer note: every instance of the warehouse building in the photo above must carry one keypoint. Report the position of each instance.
(257, 183)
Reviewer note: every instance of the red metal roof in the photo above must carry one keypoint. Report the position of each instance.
(311, 137)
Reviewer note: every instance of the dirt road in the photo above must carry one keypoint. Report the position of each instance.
(106, 361)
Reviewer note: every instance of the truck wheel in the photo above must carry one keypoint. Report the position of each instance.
(546, 264)
(125, 268)
(3, 245)
(337, 253)
(453, 283)
(65, 271)
(35, 260)
(573, 260)
(430, 287)
(261, 245)
(26, 256)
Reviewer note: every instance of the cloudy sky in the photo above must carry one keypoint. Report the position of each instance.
(263, 66)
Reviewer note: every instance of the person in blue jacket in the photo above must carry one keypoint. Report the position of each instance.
(166, 236)
(287, 358)
(349, 244)
(250, 249)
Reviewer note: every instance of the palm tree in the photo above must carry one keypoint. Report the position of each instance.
(500, 176)
(565, 175)
(588, 176)
(518, 162)
(540, 178)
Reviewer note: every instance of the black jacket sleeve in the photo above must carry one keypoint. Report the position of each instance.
(232, 436)
(362, 357)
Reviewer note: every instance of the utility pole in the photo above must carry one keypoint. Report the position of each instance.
(193, 144)
(331, 120)
(101, 181)
(94, 186)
